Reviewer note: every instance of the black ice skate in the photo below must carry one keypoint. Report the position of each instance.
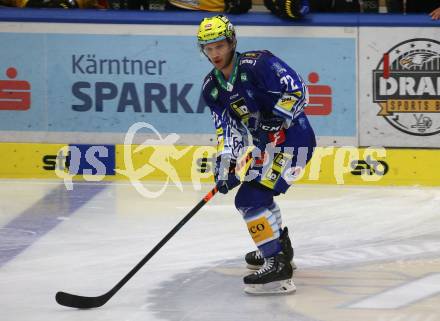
(275, 276)
(255, 259)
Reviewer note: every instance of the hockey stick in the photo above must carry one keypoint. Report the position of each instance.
(87, 302)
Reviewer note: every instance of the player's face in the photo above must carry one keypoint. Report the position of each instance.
(219, 53)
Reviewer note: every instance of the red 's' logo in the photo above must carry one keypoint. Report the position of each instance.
(14, 94)
(320, 101)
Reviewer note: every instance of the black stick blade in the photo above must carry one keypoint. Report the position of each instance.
(87, 302)
(80, 302)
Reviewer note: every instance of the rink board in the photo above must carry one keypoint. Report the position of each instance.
(175, 164)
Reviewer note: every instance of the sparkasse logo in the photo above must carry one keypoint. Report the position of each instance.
(14, 94)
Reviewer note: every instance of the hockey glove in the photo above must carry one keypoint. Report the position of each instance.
(271, 125)
(224, 174)
(269, 131)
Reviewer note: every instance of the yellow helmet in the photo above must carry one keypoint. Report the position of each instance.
(215, 29)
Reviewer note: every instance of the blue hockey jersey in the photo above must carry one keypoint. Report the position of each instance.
(260, 86)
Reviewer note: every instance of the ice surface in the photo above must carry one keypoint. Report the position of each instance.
(353, 246)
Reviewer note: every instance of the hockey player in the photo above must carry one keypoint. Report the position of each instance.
(256, 98)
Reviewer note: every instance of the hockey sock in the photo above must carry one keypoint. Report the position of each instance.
(275, 209)
(264, 230)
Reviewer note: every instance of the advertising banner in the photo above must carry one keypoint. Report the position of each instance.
(102, 81)
(175, 165)
(399, 83)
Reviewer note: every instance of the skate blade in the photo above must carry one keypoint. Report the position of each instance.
(257, 267)
(277, 287)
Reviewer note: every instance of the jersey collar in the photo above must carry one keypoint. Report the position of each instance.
(228, 85)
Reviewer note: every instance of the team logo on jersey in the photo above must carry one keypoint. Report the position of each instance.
(243, 76)
(406, 86)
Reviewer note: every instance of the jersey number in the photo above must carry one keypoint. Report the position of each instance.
(288, 81)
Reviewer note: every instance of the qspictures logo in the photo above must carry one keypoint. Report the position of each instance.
(406, 85)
